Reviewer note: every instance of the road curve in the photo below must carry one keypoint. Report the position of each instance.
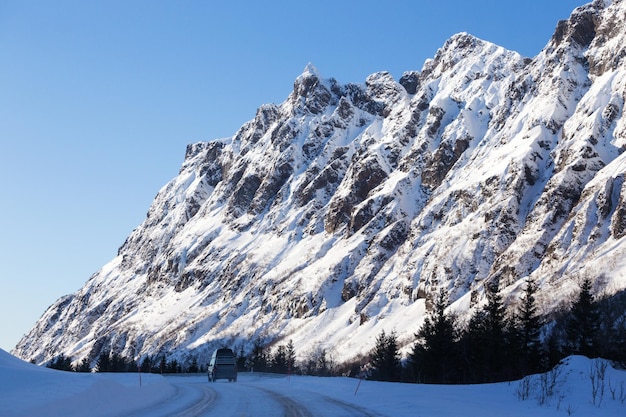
(251, 396)
(188, 400)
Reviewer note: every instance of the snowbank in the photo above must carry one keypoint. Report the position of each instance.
(30, 390)
(566, 390)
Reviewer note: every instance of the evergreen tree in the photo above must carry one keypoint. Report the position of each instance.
(241, 359)
(386, 358)
(526, 333)
(582, 327)
(291, 357)
(612, 330)
(259, 357)
(118, 363)
(279, 361)
(484, 343)
(104, 362)
(379, 356)
(193, 368)
(172, 367)
(162, 365)
(61, 363)
(146, 364)
(434, 356)
(84, 366)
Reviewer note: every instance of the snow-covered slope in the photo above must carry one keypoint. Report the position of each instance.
(339, 212)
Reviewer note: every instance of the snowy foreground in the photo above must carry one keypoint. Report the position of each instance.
(28, 390)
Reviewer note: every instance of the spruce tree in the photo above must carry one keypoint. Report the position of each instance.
(146, 364)
(162, 365)
(582, 327)
(104, 362)
(279, 361)
(61, 363)
(386, 358)
(172, 366)
(291, 357)
(526, 333)
(193, 368)
(241, 359)
(434, 356)
(378, 357)
(259, 357)
(484, 343)
(84, 366)
(118, 363)
(394, 364)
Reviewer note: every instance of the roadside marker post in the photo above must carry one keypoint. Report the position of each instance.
(361, 374)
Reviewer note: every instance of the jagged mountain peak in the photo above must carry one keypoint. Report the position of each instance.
(463, 44)
(607, 51)
(342, 210)
(310, 70)
(311, 93)
(597, 25)
(580, 28)
(464, 51)
(463, 41)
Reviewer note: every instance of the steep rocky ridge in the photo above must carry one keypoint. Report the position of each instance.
(339, 212)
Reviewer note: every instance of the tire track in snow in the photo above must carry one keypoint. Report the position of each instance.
(290, 407)
(202, 405)
(185, 401)
(250, 398)
(354, 410)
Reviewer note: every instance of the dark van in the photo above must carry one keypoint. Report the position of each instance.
(223, 365)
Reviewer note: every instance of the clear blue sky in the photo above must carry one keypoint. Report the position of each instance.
(98, 100)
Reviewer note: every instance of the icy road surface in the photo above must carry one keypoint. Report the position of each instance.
(252, 395)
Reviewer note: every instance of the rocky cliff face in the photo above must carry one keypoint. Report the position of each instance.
(339, 212)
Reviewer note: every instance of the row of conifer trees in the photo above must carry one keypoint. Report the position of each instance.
(261, 359)
(496, 345)
(114, 362)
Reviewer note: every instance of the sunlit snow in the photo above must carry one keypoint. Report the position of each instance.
(28, 390)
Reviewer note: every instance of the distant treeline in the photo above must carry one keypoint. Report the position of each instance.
(114, 362)
(494, 345)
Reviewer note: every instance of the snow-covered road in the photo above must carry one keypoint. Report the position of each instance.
(253, 395)
(189, 398)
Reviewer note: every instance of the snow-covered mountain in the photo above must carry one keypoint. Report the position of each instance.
(341, 211)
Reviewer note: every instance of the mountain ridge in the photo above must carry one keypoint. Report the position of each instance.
(342, 210)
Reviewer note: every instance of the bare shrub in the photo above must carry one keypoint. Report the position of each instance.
(597, 376)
